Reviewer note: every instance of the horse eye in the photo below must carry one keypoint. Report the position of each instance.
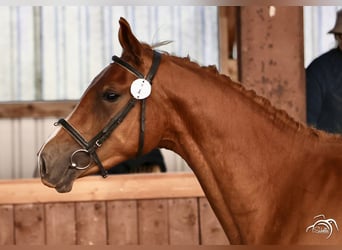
(110, 96)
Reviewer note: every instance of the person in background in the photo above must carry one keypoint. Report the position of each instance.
(324, 86)
(151, 162)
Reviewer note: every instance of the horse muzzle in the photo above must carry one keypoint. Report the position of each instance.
(54, 174)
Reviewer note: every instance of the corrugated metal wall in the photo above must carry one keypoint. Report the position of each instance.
(54, 52)
(21, 140)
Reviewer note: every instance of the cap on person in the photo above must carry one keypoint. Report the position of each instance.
(338, 25)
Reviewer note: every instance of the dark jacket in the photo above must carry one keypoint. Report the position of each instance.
(324, 92)
(140, 164)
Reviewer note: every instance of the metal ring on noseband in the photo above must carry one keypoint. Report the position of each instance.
(74, 162)
(89, 147)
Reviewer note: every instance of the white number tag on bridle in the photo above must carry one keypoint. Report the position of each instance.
(140, 89)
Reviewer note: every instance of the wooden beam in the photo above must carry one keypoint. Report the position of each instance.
(227, 37)
(271, 55)
(36, 109)
(95, 188)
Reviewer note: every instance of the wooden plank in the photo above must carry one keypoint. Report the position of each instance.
(60, 223)
(36, 109)
(183, 221)
(224, 42)
(29, 224)
(122, 219)
(6, 225)
(114, 187)
(91, 223)
(227, 37)
(271, 55)
(211, 232)
(153, 222)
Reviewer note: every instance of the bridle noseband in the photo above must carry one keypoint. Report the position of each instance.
(89, 147)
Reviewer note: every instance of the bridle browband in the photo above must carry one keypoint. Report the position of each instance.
(90, 147)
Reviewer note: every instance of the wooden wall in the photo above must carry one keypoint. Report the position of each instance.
(154, 209)
(53, 52)
(271, 55)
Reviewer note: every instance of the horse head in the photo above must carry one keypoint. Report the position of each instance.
(108, 125)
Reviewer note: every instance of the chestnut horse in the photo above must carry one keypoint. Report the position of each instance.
(265, 175)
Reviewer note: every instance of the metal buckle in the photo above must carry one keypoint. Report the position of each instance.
(98, 144)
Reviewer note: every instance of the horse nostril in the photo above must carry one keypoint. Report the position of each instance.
(42, 167)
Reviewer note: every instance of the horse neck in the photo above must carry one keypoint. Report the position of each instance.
(216, 117)
(244, 152)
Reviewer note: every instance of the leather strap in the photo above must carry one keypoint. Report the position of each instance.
(149, 77)
(127, 66)
(155, 64)
(142, 128)
(104, 134)
(113, 124)
(73, 132)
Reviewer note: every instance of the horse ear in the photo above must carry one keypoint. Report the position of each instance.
(132, 48)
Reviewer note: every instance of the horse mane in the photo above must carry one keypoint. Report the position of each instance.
(277, 115)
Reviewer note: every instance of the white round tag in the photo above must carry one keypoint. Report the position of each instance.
(140, 89)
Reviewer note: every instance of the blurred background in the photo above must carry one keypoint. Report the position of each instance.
(49, 55)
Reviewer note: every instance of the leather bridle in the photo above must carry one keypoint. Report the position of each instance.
(89, 147)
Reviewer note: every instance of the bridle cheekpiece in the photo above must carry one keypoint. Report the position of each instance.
(140, 90)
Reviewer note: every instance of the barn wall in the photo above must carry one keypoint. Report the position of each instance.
(179, 221)
(53, 52)
(24, 136)
(153, 209)
(271, 58)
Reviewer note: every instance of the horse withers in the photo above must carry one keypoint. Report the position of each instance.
(266, 176)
